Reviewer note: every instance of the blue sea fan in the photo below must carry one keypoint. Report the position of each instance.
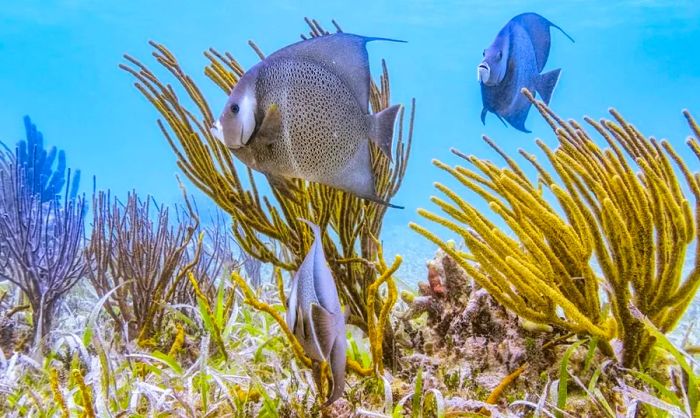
(37, 165)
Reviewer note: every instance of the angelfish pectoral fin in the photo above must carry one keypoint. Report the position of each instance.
(270, 126)
(381, 130)
(323, 328)
(546, 84)
(337, 364)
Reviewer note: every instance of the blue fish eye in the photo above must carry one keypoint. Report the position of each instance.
(500, 55)
(235, 108)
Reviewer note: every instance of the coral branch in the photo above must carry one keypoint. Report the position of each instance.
(252, 300)
(636, 226)
(348, 222)
(40, 240)
(127, 245)
(376, 326)
(496, 393)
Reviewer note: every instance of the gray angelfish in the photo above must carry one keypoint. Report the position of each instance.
(315, 316)
(303, 112)
(514, 61)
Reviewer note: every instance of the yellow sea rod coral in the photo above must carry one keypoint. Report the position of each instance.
(263, 224)
(621, 222)
(57, 393)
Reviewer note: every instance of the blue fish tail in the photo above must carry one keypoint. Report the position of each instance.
(546, 84)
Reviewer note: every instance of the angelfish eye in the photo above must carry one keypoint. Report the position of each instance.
(235, 108)
(500, 55)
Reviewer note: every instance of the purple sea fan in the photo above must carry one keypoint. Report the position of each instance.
(40, 244)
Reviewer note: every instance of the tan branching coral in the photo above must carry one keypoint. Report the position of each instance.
(622, 220)
(261, 224)
(143, 258)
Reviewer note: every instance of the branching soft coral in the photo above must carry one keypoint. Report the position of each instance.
(350, 223)
(144, 258)
(622, 208)
(40, 241)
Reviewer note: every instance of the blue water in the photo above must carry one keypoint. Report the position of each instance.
(58, 64)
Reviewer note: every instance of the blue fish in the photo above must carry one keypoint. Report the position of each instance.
(514, 61)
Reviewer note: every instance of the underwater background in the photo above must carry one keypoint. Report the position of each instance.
(59, 65)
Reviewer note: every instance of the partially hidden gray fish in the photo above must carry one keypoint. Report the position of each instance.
(514, 61)
(315, 316)
(303, 112)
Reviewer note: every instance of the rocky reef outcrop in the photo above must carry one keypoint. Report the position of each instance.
(466, 342)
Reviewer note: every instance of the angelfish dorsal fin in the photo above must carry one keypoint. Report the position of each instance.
(537, 28)
(324, 285)
(343, 53)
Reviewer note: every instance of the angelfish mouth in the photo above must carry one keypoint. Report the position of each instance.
(217, 131)
(483, 72)
(242, 142)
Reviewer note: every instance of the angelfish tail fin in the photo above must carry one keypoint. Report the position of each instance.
(546, 84)
(381, 128)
